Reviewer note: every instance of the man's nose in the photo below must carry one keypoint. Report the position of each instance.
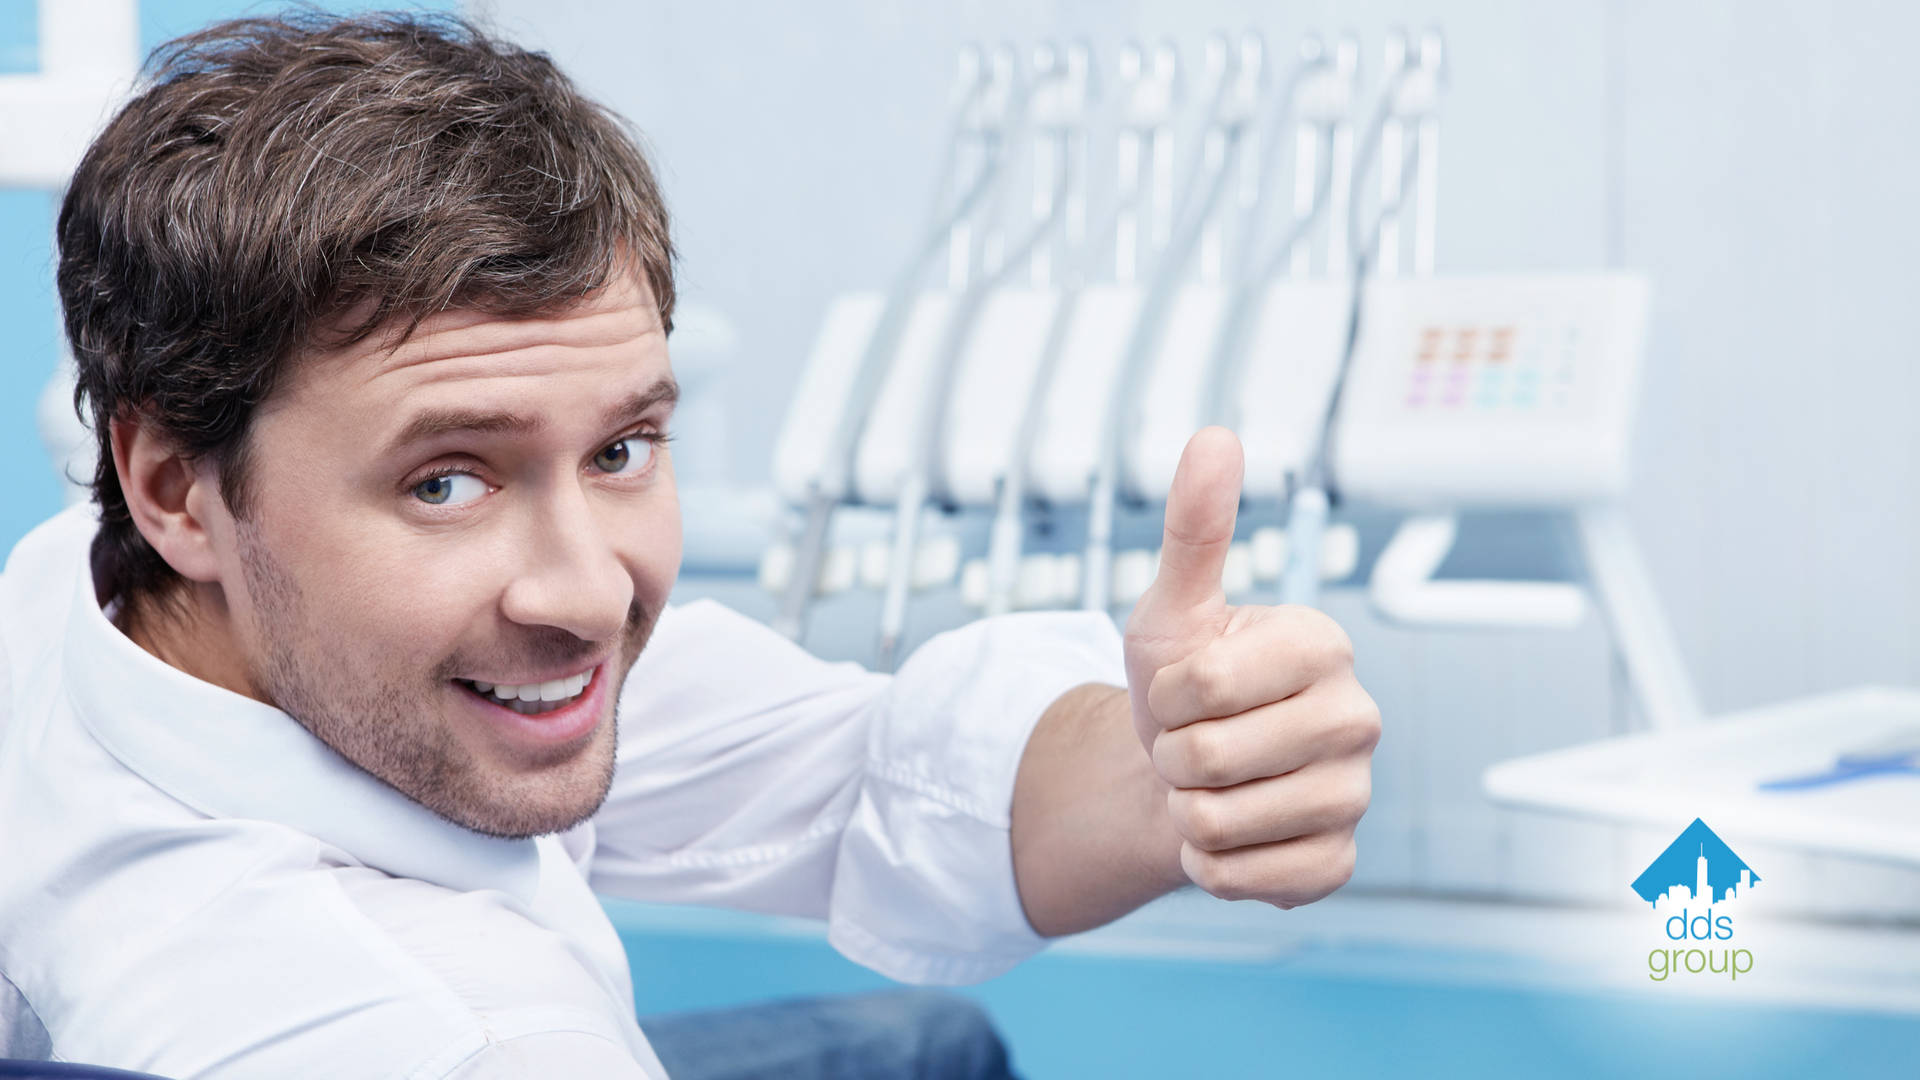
(571, 577)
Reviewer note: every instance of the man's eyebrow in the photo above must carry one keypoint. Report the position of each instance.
(438, 422)
(665, 392)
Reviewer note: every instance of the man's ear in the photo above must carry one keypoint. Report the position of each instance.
(175, 501)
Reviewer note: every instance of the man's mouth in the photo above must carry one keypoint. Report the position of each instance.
(532, 699)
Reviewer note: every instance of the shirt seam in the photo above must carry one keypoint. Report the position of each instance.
(904, 776)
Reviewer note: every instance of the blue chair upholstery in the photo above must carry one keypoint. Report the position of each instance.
(62, 1070)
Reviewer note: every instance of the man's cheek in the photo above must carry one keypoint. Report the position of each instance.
(411, 613)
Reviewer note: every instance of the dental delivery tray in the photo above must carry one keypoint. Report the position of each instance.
(1838, 773)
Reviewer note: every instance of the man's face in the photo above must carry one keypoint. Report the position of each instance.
(488, 507)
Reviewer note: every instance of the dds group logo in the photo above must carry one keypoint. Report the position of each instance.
(1694, 886)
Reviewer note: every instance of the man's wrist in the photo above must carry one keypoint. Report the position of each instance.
(1091, 836)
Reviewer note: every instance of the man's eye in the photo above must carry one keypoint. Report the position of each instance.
(450, 490)
(627, 455)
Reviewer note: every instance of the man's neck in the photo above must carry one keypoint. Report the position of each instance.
(190, 627)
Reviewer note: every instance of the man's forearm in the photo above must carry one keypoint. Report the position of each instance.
(1091, 835)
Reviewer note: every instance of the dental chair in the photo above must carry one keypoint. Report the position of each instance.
(66, 1070)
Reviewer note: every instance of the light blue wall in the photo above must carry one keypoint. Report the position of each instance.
(19, 49)
(31, 340)
(31, 334)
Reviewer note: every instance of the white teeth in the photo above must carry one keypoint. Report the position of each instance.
(534, 698)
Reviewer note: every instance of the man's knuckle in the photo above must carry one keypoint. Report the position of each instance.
(1340, 648)
(1180, 810)
(1213, 679)
(1367, 719)
(1320, 642)
(1208, 827)
(1318, 869)
(1356, 721)
(1331, 871)
(1357, 797)
(1338, 870)
(1222, 877)
(1211, 755)
(1332, 856)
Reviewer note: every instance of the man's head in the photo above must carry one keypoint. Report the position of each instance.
(371, 317)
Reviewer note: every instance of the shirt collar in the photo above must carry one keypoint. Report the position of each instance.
(229, 756)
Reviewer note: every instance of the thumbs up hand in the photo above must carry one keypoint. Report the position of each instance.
(1252, 714)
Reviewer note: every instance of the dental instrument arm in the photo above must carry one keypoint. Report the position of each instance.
(917, 483)
(1227, 120)
(1411, 91)
(924, 466)
(1058, 202)
(1007, 535)
(830, 488)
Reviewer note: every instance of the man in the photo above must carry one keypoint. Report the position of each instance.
(359, 680)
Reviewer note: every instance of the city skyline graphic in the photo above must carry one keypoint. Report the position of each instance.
(1698, 865)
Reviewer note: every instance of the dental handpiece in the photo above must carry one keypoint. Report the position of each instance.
(828, 490)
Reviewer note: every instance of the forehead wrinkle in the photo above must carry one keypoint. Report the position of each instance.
(622, 313)
(498, 338)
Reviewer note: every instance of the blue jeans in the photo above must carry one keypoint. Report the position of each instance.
(893, 1035)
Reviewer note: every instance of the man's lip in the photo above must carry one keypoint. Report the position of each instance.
(574, 720)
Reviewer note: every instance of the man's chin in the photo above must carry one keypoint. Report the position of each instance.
(519, 823)
(526, 799)
(516, 810)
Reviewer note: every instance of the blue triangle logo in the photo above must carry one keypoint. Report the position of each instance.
(1679, 865)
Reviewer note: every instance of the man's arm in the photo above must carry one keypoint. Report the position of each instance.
(753, 775)
(1238, 758)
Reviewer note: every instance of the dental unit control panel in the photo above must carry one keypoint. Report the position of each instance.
(1493, 391)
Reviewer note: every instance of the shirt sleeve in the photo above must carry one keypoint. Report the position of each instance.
(752, 775)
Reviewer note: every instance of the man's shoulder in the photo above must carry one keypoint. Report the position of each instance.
(54, 542)
(38, 582)
(233, 947)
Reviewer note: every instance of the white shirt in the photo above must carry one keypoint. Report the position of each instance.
(192, 885)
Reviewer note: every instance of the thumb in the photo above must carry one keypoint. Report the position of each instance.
(1185, 608)
(1201, 507)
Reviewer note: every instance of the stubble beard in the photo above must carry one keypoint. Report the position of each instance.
(388, 723)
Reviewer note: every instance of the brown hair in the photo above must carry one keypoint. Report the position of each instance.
(283, 178)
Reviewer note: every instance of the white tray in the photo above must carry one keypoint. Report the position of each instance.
(1714, 772)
